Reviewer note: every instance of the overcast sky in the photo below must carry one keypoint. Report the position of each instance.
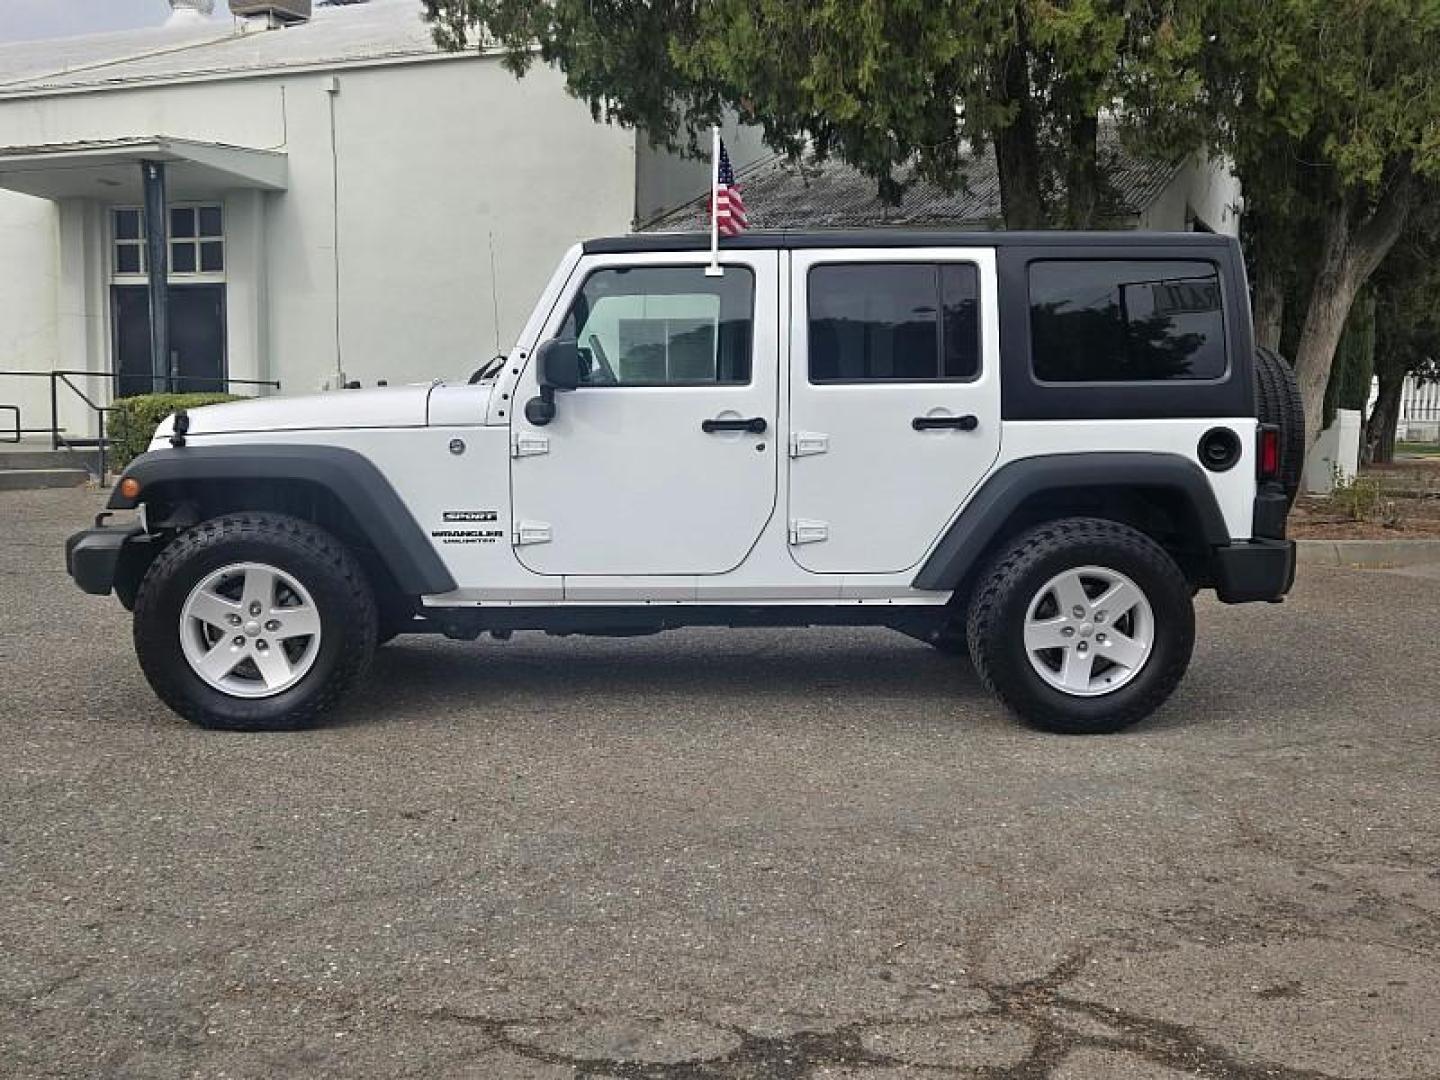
(23, 20)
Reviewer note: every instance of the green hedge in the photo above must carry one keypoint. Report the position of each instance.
(132, 424)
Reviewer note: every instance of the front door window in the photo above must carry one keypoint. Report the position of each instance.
(663, 326)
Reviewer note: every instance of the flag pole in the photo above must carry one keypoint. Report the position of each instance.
(714, 270)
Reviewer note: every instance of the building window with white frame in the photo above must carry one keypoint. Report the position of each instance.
(197, 240)
(129, 222)
(196, 305)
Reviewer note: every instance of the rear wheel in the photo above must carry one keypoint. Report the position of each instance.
(254, 622)
(1082, 626)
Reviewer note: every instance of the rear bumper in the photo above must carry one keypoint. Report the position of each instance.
(92, 556)
(1272, 506)
(1260, 569)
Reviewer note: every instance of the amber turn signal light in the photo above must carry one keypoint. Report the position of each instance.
(130, 488)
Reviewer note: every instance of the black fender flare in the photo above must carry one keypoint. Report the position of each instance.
(980, 522)
(348, 475)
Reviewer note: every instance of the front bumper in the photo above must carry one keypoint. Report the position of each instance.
(92, 556)
(1259, 569)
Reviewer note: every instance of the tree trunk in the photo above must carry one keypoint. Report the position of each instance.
(1082, 175)
(1385, 416)
(1017, 144)
(1350, 253)
(1017, 163)
(1330, 299)
(1269, 274)
(1269, 313)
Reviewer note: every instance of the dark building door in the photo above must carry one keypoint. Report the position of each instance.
(197, 337)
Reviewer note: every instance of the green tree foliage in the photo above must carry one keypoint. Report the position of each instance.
(878, 83)
(1330, 110)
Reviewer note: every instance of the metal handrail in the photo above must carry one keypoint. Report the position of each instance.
(100, 442)
(223, 379)
(57, 439)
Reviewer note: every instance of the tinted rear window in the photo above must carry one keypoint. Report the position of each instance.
(1126, 320)
(910, 322)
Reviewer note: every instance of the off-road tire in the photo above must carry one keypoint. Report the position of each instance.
(1278, 402)
(1008, 583)
(316, 559)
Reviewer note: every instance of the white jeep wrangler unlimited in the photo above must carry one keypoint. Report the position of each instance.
(1034, 446)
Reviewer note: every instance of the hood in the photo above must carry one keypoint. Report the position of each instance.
(382, 407)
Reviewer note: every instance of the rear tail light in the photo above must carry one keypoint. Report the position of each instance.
(1267, 464)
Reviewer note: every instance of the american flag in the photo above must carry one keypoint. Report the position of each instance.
(729, 206)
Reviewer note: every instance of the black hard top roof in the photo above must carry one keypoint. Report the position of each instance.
(893, 238)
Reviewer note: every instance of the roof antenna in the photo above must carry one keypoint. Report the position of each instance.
(494, 294)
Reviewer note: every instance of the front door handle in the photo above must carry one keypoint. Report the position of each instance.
(932, 423)
(755, 425)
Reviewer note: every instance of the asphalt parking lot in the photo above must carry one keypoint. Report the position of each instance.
(715, 854)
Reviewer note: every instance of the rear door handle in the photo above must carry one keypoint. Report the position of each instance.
(755, 425)
(932, 423)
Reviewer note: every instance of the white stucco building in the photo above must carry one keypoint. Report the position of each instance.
(346, 202)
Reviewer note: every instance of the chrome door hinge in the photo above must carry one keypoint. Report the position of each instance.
(530, 532)
(528, 444)
(806, 531)
(805, 443)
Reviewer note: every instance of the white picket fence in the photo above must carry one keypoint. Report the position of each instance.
(1419, 411)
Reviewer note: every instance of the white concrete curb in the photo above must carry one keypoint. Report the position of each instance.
(1372, 554)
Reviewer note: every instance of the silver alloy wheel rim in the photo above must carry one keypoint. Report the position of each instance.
(1089, 631)
(250, 630)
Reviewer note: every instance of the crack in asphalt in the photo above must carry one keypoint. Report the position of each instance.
(1032, 1004)
(1040, 1006)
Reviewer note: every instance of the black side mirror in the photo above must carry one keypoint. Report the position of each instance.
(558, 365)
(541, 410)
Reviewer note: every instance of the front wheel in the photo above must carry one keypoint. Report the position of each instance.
(1082, 626)
(254, 622)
